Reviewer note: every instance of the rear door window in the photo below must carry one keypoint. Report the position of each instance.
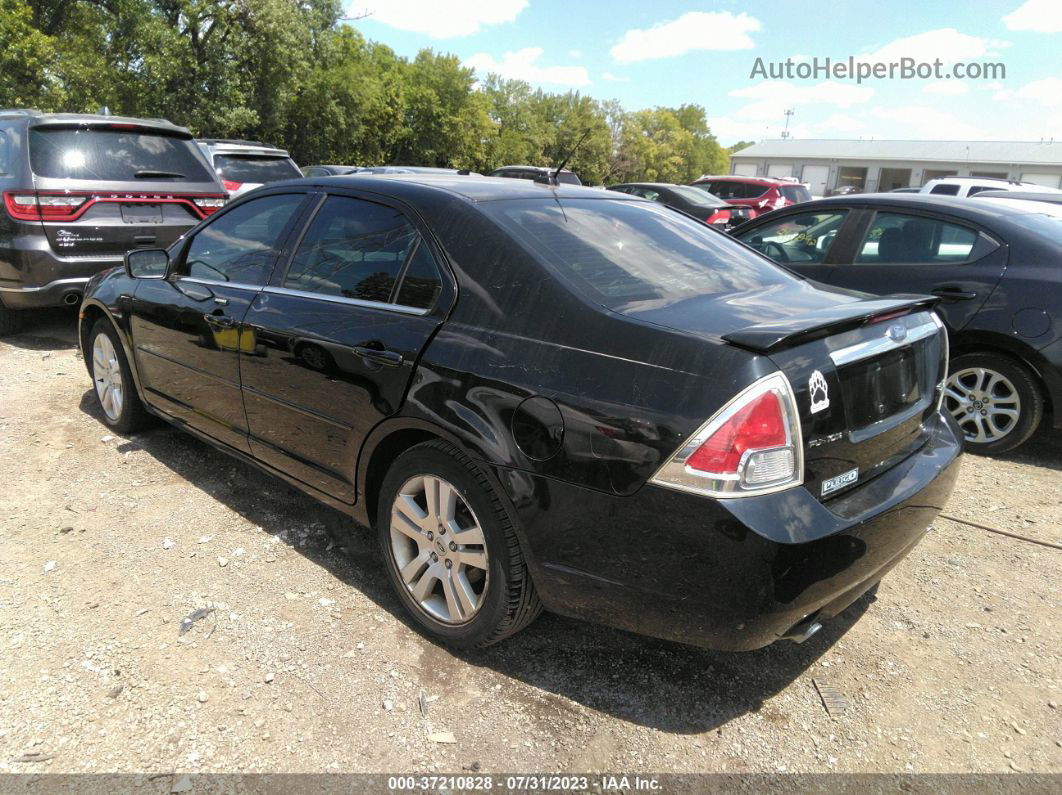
(899, 238)
(240, 245)
(800, 238)
(358, 249)
(114, 155)
(945, 190)
(243, 168)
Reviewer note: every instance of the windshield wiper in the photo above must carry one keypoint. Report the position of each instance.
(147, 173)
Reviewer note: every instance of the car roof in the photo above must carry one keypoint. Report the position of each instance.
(242, 147)
(1054, 198)
(36, 117)
(543, 169)
(470, 187)
(975, 181)
(739, 178)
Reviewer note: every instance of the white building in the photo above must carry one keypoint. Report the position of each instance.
(883, 165)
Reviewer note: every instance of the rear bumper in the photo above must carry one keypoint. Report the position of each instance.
(54, 293)
(726, 574)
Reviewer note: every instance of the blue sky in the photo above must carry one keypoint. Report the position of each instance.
(669, 53)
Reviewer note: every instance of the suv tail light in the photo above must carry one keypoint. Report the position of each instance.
(70, 205)
(751, 446)
(231, 186)
(31, 206)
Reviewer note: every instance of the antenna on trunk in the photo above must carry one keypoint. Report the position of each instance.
(552, 179)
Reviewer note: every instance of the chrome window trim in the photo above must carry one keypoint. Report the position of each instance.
(48, 286)
(218, 283)
(674, 474)
(882, 344)
(341, 299)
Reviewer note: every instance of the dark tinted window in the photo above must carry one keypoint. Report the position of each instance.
(5, 153)
(240, 168)
(974, 189)
(421, 283)
(113, 155)
(240, 245)
(945, 190)
(568, 179)
(702, 198)
(618, 252)
(802, 238)
(736, 190)
(796, 193)
(354, 249)
(898, 238)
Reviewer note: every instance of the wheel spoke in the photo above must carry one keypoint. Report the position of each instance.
(406, 525)
(453, 602)
(465, 595)
(469, 536)
(424, 585)
(476, 558)
(414, 567)
(431, 498)
(447, 502)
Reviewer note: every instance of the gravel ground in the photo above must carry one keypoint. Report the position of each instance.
(305, 663)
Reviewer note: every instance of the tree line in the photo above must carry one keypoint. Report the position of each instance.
(290, 72)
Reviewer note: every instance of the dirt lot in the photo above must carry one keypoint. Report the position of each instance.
(307, 663)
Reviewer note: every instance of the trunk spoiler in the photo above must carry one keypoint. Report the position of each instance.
(779, 334)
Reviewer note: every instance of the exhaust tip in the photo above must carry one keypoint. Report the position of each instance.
(71, 298)
(805, 632)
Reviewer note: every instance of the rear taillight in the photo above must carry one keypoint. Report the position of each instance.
(29, 206)
(718, 217)
(751, 446)
(231, 186)
(209, 204)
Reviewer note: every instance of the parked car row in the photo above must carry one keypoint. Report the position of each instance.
(544, 396)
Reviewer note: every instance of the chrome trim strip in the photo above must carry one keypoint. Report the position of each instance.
(339, 299)
(217, 283)
(882, 344)
(48, 286)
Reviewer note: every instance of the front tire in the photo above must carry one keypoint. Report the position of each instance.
(450, 549)
(113, 381)
(996, 401)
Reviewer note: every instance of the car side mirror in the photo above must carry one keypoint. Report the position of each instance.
(147, 263)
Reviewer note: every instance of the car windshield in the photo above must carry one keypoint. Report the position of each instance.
(114, 155)
(255, 168)
(699, 197)
(617, 252)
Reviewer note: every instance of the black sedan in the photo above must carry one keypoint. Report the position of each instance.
(692, 201)
(544, 396)
(996, 265)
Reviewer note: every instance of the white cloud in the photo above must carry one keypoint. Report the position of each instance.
(614, 78)
(575, 53)
(1047, 91)
(946, 88)
(839, 123)
(923, 121)
(947, 44)
(1040, 16)
(521, 65)
(695, 30)
(439, 20)
(773, 97)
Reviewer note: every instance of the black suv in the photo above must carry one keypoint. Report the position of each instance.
(80, 191)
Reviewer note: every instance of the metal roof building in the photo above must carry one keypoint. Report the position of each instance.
(873, 165)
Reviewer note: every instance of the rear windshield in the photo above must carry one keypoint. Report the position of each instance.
(618, 252)
(256, 168)
(796, 193)
(114, 155)
(697, 196)
(568, 178)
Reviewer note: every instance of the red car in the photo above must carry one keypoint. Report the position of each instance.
(759, 194)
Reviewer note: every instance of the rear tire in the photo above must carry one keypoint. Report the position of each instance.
(112, 381)
(996, 400)
(10, 321)
(457, 565)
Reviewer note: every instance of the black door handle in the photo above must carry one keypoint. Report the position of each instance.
(220, 321)
(953, 293)
(388, 358)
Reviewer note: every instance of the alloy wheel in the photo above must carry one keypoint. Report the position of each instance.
(439, 549)
(107, 374)
(984, 402)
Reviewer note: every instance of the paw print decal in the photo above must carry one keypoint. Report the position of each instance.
(820, 396)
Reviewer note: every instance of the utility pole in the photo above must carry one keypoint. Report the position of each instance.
(788, 113)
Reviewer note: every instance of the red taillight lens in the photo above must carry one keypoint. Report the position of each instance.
(759, 425)
(209, 204)
(29, 206)
(718, 217)
(750, 446)
(231, 186)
